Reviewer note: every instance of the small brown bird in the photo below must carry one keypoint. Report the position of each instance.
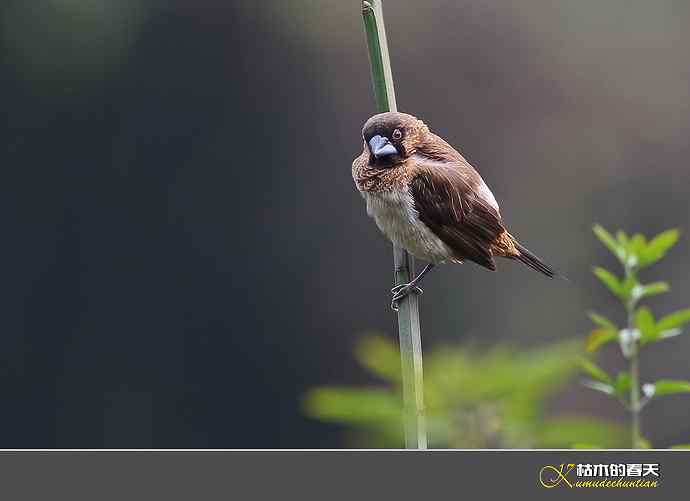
(426, 198)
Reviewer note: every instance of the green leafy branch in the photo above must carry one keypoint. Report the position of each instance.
(641, 328)
(475, 398)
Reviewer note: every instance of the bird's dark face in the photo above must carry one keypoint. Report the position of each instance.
(391, 137)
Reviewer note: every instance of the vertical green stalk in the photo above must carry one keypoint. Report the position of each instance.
(408, 313)
(635, 404)
(635, 400)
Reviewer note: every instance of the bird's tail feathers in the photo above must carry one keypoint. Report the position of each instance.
(530, 259)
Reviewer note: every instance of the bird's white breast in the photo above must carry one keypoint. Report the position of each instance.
(397, 218)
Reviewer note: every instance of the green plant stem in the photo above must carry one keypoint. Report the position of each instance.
(635, 406)
(408, 313)
(635, 400)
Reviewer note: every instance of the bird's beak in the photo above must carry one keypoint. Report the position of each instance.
(381, 146)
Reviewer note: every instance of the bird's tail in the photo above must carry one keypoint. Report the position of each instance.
(527, 257)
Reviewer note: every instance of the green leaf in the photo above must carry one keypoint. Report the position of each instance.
(601, 387)
(623, 384)
(667, 327)
(628, 287)
(670, 387)
(353, 406)
(637, 244)
(380, 356)
(657, 247)
(673, 320)
(563, 431)
(664, 240)
(623, 239)
(602, 321)
(610, 281)
(599, 337)
(669, 333)
(653, 289)
(594, 371)
(681, 446)
(609, 242)
(643, 443)
(660, 335)
(645, 324)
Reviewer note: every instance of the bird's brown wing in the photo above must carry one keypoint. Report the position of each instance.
(447, 197)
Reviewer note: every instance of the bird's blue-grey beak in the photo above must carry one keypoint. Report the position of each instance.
(381, 146)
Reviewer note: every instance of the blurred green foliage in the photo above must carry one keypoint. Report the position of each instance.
(634, 254)
(493, 398)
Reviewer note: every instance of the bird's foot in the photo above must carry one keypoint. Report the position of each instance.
(402, 290)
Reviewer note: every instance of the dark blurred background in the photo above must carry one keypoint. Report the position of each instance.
(185, 253)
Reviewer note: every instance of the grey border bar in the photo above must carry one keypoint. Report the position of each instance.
(323, 475)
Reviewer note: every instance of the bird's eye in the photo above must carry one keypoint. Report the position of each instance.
(397, 134)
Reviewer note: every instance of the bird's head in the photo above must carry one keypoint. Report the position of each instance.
(392, 137)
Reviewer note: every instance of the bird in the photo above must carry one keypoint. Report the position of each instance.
(426, 198)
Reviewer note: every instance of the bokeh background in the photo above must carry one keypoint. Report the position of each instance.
(184, 251)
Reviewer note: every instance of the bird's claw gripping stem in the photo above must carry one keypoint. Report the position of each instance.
(402, 290)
